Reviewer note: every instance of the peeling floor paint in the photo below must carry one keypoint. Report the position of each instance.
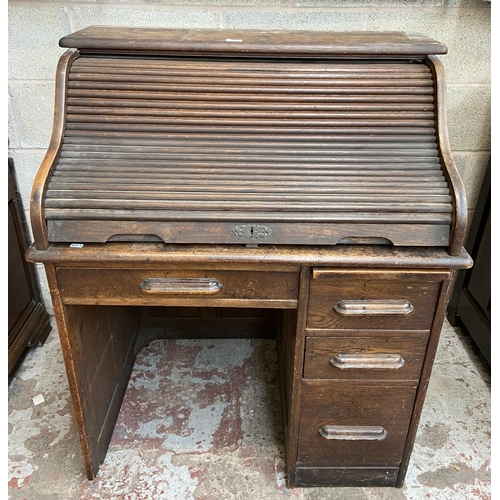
(201, 420)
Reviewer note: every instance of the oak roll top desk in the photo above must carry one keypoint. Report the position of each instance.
(306, 175)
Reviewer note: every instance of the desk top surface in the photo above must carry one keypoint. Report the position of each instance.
(374, 256)
(254, 42)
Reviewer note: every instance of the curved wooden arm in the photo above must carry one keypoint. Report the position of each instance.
(42, 177)
(459, 224)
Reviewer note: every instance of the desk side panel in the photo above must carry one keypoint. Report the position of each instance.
(98, 349)
(437, 325)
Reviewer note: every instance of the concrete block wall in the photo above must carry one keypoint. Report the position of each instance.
(35, 27)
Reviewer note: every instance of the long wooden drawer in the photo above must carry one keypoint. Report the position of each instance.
(196, 288)
(397, 357)
(344, 299)
(353, 424)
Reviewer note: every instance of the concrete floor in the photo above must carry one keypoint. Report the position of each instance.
(207, 426)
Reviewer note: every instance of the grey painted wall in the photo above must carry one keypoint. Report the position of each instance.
(36, 26)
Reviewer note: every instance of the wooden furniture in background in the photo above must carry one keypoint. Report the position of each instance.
(305, 176)
(470, 303)
(28, 319)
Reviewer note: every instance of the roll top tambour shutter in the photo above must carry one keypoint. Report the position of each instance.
(249, 150)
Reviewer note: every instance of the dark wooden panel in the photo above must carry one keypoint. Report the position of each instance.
(470, 303)
(297, 232)
(291, 369)
(206, 323)
(479, 283)
(343, 404)
(28, 320)
(285, 344)
(366, 357)
(477, 323)
(31, 329)
(474, 303)
(20, 282)
(98, 347)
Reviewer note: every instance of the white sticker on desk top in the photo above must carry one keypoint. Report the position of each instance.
(76, 245)
(233, 40)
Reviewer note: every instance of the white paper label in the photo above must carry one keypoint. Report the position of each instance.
(38, 399)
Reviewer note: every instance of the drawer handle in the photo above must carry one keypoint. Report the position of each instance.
(367, 361)
(353, 433)
(373, 307)
(180, 285)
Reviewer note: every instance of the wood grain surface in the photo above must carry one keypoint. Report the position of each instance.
(319, 352)
(326, 403)
(197, 143)
(325, 295)
(251, 42)
(125, 287)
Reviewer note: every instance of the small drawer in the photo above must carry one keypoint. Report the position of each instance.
(373, 300)
(194, 288)
(387, 357)
(353, 424)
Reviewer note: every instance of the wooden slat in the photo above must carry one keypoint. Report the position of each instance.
(144, 178)
(111, 120)
(250, 69)
(92, 139)
(86, 214)
(345, 89)
(91, 105)
(239, 96)
(130, 137)
(230, 150)
(116, 158)
(370, 172)
(244, 128)
(387, 69)
(76, 111)
(249, 204)
(182, 186)
(102, 80)
(148, 196)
